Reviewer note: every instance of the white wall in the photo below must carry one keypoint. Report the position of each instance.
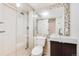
(74, 17)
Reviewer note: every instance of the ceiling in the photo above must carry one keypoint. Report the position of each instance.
(40, 6)
(36, 6)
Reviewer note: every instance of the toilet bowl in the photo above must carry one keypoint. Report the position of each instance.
(39, 44)
(37, 51)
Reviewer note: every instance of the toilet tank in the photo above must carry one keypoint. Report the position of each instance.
(39, 40)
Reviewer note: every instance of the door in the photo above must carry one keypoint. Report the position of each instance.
(68, 49)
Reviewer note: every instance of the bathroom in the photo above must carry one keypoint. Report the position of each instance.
(53, 25)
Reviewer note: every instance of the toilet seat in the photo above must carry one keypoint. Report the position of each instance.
(37, 51)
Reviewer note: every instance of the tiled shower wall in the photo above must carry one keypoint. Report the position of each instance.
(7, 30)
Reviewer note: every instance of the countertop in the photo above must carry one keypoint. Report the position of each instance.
(63, 39)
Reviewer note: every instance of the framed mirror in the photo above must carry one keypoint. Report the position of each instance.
(60, 14)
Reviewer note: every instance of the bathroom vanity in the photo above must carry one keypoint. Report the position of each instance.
(62, 49)
(62, 46)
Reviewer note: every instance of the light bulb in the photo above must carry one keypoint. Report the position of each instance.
(18, 5)
(45, 13)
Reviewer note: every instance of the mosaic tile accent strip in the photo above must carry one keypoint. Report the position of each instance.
(67, 19)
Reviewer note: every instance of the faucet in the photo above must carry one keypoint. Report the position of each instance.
(60, 32)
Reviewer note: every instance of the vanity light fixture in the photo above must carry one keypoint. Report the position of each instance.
(18, 4)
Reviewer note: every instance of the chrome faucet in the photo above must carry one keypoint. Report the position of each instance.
(60, 32)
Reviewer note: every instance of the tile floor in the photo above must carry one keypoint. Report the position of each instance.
(27, 52)
(24, 52)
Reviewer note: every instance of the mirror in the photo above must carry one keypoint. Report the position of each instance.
(53, 20)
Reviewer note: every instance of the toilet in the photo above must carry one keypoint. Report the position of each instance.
(39, 44)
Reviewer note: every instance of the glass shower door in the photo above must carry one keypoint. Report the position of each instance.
(21, 33)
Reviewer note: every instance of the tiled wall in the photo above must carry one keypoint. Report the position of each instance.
(7, 38)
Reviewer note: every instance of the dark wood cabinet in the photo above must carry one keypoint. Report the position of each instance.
(62, 49)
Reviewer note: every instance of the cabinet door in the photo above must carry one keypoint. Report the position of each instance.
(68, 49)
(62, 49)
(56, 48)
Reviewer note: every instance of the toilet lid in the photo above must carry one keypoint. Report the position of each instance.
(37, 50)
